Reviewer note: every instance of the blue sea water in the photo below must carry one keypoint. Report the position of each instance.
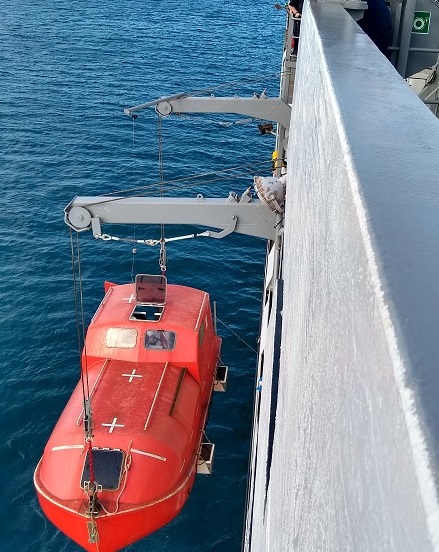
(67, 70)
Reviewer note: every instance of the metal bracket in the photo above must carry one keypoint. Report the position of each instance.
(226, 231)
(93, 534)
(96, 227)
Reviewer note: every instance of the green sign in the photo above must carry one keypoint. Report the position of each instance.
(421, 22)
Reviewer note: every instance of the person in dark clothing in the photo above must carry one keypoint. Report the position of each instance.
(377, 24)
(295, 8)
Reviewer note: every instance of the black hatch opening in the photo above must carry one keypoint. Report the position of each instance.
(107, 466)
(151, 313)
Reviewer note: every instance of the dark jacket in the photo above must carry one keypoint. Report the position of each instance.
(377, 23)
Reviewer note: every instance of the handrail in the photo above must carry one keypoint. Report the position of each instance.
(177, 390)
(155, 396)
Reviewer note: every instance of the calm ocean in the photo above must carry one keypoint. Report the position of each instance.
(67, 70)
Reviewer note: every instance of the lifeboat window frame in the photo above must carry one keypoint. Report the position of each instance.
(116, 338)
(159, 340)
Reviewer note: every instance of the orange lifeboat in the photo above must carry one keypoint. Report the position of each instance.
(151, 357)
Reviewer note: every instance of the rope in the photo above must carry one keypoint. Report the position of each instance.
(134, 251)
(90, 462)
(80, 322)
(236, 335)
(162, 257)
(248, 168)
(79, 312)
(247, 80)
(196, 118)
(75, 294)
(127, 466)
(134, 117)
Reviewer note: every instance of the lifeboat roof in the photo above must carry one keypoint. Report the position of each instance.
(183, 307)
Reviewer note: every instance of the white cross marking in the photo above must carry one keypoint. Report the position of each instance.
(132, 375)
(113, 425)
(129, 299)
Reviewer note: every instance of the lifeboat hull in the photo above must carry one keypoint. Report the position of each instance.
(117, 531)
(150, 384)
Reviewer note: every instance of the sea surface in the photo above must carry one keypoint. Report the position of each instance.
(67, 70)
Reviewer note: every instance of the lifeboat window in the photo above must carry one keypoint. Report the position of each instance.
(123, 338)
(160, 339)
(201, 333)
(107, 467)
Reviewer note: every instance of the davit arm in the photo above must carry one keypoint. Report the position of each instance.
(260, 107)
(244, 215)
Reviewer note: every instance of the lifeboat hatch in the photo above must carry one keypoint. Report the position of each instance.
(107, 467)
(150, 289)
(205, 458)
(221, 375)
(151, 313)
